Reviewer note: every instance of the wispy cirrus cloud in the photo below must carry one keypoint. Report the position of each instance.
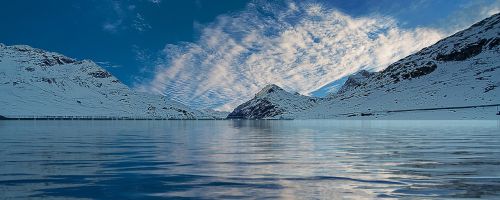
(300, 46)
(125, 15)
(140, 23)
(155, 1)
(470, 12)
(107, 64)
(114, 23)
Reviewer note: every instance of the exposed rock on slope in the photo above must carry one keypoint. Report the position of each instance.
(355, 80)
(34, 82)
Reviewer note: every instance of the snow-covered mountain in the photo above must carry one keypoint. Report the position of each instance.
(215, 113)
(273, 101)
(458, 73)
(34, 82)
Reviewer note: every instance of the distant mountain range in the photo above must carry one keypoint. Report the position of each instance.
(456, 78)
(37, 83)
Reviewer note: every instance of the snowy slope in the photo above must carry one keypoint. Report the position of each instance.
(273, 101)
(34, 82)
(461, 70)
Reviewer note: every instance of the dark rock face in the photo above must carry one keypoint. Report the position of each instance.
(55, 60)
(261, 109)
(49, 80)
(428, 68)
(489, 88)
(468, 51)
(100, 74)
(187, 114)
(406, 70)
(67, 60)
(494, 43)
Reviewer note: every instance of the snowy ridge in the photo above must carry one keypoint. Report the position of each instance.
(355, 80)
(459, 72)
(216, 114)
(273, 101)
(35, 83)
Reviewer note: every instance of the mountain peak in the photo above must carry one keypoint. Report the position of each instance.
(269, 89)
(355, 80)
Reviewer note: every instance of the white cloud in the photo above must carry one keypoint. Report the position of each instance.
(113, 25)
(469, 12)
(123, 16)
(107, 64)
(299, 46)
(157, 2)
(140, 24)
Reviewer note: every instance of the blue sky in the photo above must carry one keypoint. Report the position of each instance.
(107, 31)
(218, 53)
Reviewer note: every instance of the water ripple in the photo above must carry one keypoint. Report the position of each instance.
(315, 159)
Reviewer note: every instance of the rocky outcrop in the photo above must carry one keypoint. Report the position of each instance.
(100, 74)
(257, 109)
(355, 80)
(466, 52)
(272, 102)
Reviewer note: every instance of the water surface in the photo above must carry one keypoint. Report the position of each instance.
(310, 159)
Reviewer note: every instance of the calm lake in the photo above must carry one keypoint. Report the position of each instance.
(310, 159)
